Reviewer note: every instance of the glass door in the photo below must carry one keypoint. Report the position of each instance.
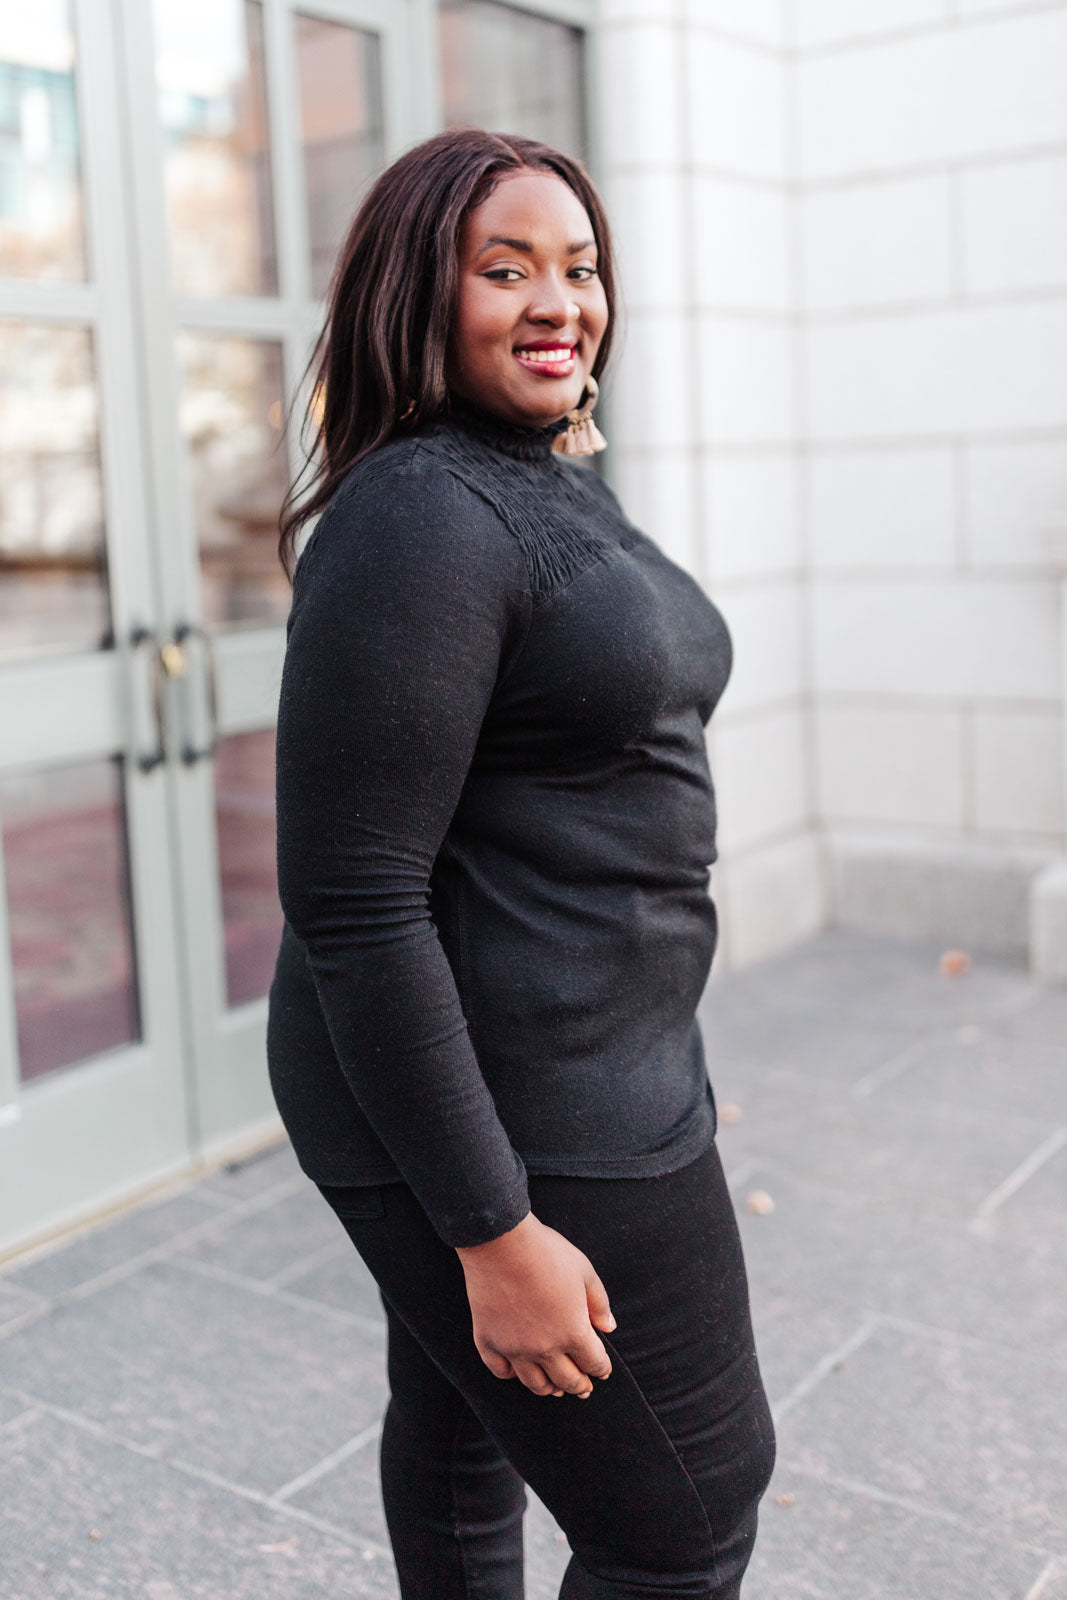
(92, 1094)
(175, 177)
(256, 126)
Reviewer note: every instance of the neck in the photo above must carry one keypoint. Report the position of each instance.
(521, 440)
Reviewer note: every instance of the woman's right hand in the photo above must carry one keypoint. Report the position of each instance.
(535, 1302)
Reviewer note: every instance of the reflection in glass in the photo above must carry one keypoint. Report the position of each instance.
(231, 417)
(244, 814)
(40, 193)
(213, 106)
(505, 69)
(68, 906)
(53, 584)
(341, 128)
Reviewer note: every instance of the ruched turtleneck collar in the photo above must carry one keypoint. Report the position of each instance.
(512, 438)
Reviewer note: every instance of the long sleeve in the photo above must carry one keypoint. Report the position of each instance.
(409, 602)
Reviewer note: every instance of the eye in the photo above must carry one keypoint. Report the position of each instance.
(499, 272)
(591, 271)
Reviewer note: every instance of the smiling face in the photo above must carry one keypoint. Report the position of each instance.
(530, 308)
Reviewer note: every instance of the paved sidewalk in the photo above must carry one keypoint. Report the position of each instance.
(190, 1394)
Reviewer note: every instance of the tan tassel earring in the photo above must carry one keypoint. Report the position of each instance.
(582, 437)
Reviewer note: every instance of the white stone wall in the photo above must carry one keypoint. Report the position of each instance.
(696, 164)
(842, 402)
(932, 286)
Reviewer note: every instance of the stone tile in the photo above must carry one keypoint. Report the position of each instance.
(1043, 1021)
(936, 1158)
(162, 1534)
(765, 1043)
(110, 1244)
(257, 1173)
(14, 1303)
(250, 1386)
(341, 1282)
(794, 1331)
(1034, 1219)
(269, 1241)
(11, 1409)
(349, 1496)
(991, 1070)
(820, 1256)
(830, 1544)
(959, 1427)
(870, 979)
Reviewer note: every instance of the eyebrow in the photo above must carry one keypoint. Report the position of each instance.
(524, 244)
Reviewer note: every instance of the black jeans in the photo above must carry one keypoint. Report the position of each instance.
(655, 1479)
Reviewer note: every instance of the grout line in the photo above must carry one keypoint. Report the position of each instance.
(905, 33)
(821, 1369)
(208, 1269)
(243, 1491)
(892, 1069)
(305, 1479)
(1042, 1580)
(857, 1486)
(21, 1419)
(214, 1222)
(917, 1508)
(297, 1269)
(1022, 1174)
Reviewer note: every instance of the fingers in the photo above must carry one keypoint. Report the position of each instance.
(498, 1365)
(596, 1298)
(554, 1375)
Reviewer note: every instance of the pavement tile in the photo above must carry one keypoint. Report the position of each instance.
(939, 1158)
(349, 1496)
(250, 1386)
(162, 1534)
(341, 1282)
(110, 1244)
(14, 1303)
(819, 1254)
(1034, 1219)
(988, 1070)
(269, 1241)
(240, 1180)
(11, 1409)
(867, 979)
(766, 1044)
(833, 1544)
(954, 1425)
(1043, 1021)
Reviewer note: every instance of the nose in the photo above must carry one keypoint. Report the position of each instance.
(552, 304)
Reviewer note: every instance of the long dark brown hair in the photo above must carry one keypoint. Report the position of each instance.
(379, 362)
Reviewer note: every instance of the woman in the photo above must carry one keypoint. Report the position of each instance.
(495, 820)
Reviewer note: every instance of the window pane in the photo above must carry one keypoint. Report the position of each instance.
(68, 906)
(512, 72)
(40, 193)
(231, 416)
(341, 129)
(53, 582)
(244, 811)
(213, 104)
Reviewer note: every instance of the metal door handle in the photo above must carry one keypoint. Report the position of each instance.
(143, 642)
(176, 663)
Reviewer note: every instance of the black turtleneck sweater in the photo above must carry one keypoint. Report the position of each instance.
(495, 822)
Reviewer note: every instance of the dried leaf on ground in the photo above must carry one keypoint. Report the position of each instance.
(760, 1202)
(954, 963)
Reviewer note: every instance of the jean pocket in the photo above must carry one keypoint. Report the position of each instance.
(353, 1203)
